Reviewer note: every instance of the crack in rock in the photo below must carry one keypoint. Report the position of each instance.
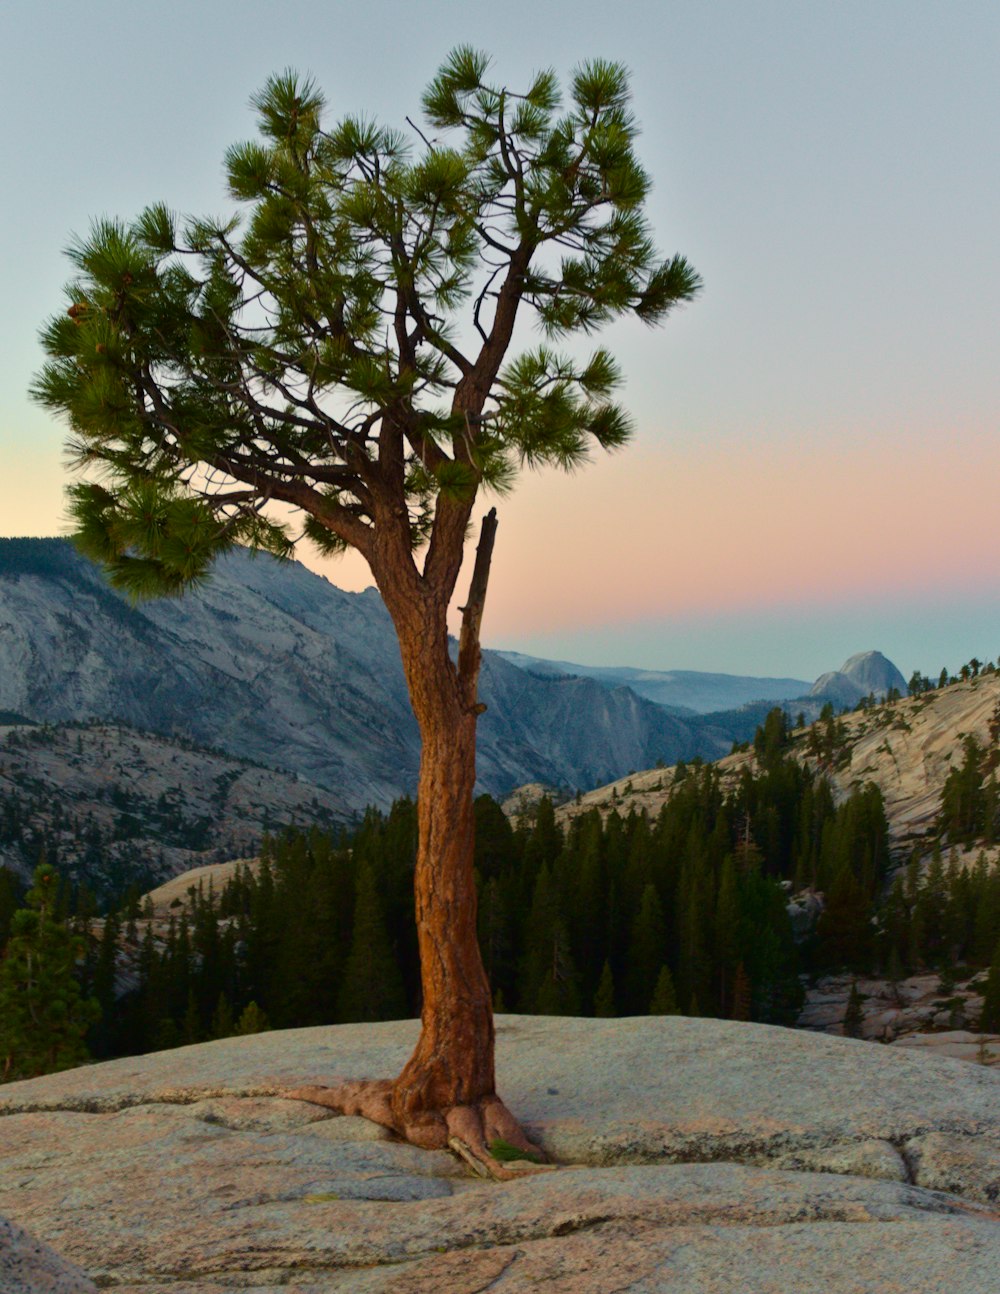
(116, 1102)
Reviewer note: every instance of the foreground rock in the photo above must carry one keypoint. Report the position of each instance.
(697, 1155)
(29, 1267)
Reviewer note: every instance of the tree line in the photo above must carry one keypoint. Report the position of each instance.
(615, 915)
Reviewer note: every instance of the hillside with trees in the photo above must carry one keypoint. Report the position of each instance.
(754, 877)
(114, 808)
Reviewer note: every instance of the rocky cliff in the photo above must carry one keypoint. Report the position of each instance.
(692, 1155)
(270, 662)
(906, 748)
(867, 673)
(112, 806)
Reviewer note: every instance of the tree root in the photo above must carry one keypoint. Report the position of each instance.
(470, 1131)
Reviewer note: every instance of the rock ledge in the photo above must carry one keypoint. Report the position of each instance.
(697, 1154)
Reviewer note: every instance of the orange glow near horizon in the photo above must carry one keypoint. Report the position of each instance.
(701, 529)
(653, 533)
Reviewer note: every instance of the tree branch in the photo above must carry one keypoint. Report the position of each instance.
(469, 654)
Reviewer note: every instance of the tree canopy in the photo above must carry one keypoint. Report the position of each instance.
(342, 347)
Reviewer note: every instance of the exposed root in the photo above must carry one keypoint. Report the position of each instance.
(467, 1130)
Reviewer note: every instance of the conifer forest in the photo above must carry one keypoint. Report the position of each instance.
(615, 915)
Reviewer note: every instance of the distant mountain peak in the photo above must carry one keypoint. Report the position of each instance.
(863, 673)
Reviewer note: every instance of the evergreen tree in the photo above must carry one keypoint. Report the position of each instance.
(931, 911)
(843, 931)
(372, 988)
(604, 999)
(647, 948)
(963, 800)
(211, 374)
(772, 738)
(191, 1027)
(727, 934)
(742, 994)
(102, 1033)
(222, 1025)
(43, 1016)
(252, 1020)
(894, 972)
(664, 999)
(989, 1020)
(8, 903)
(549, 979)
(588, 893)
(854, 1015)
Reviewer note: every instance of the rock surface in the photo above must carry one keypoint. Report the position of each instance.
(867, 672)
(907, 749)
(917, 1011)
(696, 1155)
(29, 1267)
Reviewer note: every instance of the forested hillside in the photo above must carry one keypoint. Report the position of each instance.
(112, 807)
(752, 878)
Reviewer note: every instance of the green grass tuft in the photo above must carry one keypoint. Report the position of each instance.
(503, 1152)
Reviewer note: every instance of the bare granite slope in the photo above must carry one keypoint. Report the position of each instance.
(694, 1155)
(123, 805)
(270, 662)
(906, 748)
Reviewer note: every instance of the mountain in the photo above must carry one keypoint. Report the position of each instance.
(733, 704)
(907, 748)
(866, 673)
(682, 691)
(270, 662)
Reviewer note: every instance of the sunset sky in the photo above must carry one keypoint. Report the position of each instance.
(816, 464)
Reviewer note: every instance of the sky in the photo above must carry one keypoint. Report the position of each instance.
(817, 452)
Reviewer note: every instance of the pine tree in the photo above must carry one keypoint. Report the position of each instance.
(104, 985)
(43, 1016)
(371, 988)
(252, 1020)
(211, 374)
(646, 951)
(843, 930)
(727, 934)
(549, 979)
(664, 999)
(191, 1028)
(8, 904)
(854, 1016)
(588, 900)
(604, 999)
(742, 994)
(222, 1025)
(989, 1020)
(495, 934)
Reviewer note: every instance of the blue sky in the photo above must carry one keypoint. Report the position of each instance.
(816, 437)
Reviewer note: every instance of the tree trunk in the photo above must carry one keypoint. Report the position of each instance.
(446, 1092)
(453, 1061)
